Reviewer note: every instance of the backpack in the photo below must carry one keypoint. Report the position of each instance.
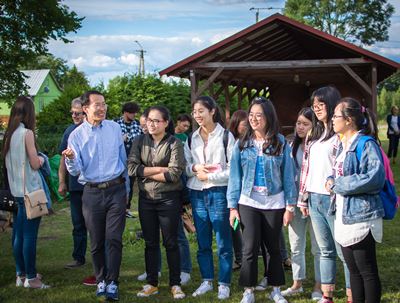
(388, 195)
(225, 140)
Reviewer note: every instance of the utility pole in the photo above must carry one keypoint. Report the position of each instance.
(257, 9)
(141, 52)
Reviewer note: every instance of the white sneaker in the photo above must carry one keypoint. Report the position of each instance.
(204, 287)
(290, 291)
(262, 285)
(177, 292)
(277, 297)
(185, 278)
(316, 295)
(248, 296)
(143, 276)
(223, 292)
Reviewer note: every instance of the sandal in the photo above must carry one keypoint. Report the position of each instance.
(35, 283)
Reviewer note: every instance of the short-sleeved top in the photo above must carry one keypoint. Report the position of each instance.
(73, 184)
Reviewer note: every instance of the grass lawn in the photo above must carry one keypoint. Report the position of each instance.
(54, 251)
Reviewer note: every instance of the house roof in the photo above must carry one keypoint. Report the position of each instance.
(35, 79)
(278, 38)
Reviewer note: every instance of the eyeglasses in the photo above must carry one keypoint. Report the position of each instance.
(76, 113)
(155, 121)
(257, 116)
(318, 106)
(336, 116)
(197, 112)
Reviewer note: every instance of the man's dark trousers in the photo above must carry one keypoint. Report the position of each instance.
(104, 212)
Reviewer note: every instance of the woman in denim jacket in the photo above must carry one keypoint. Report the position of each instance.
(261, 195)
(359, 211)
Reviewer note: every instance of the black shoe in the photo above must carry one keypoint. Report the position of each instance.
(74, 264)
(287, 264)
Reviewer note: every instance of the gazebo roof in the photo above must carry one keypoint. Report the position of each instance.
(259, 49)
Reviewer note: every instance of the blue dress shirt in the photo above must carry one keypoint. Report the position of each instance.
(99, 153)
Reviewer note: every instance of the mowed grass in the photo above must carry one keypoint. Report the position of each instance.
(54, 251)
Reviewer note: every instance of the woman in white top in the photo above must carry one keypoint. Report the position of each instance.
(23, 163)
(207, 169)
(314, 199)
(298, 226)
(358, 178)
(393, 132)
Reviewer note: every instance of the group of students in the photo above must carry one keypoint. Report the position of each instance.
(256, 178)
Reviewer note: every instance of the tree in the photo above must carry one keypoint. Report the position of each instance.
(25, 28)
(54, 117)
(364, 22)
(147, 90)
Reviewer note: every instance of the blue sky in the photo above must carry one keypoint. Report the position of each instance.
(168, 30)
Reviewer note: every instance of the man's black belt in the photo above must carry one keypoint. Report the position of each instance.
(107, 184)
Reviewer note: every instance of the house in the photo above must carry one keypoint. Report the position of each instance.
(42, 87)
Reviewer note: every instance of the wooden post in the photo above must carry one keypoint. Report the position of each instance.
(193, 85)
(240, 96)
(227, 103)
(374, 103)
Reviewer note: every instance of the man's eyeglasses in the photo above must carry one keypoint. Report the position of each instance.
(153, 121)
(77, 114)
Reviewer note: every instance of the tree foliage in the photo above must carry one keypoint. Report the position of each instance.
(55, 117)
(147, 91)
(386, 100)
(25, 28)
(364, 22)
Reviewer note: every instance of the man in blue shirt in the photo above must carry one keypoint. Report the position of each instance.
(79, 232)
(97, 154)
(130, 128)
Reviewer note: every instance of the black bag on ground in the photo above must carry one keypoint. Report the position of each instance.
(7, 201)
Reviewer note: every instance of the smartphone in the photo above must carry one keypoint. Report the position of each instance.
(235, 224)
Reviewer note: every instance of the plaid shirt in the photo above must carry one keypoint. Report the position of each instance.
(302, 200)
(130, 130)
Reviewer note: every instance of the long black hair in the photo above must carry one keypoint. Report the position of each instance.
(237, 117)
(272, 144)
(362, 117)
(210, 104)
(22, 111)
(170, 129)
(309, 115)
(330, 96)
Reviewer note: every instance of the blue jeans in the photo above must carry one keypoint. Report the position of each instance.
(24, 240)
(79, 232)
(323, 226)
(184, 251)
(210, 213)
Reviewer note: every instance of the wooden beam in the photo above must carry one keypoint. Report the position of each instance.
(219, 91)
(282, 64)
(374, 82)
(234, 92)
(210, 80)
(211, 90)
(358, 79)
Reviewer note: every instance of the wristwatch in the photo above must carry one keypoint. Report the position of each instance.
(290, 208)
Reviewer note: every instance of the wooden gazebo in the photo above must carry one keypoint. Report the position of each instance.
(288, 59)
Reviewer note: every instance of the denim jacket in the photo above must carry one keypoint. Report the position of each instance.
(279, 173)
(361, 183)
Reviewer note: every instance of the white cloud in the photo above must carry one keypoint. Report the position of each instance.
(129, 59)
